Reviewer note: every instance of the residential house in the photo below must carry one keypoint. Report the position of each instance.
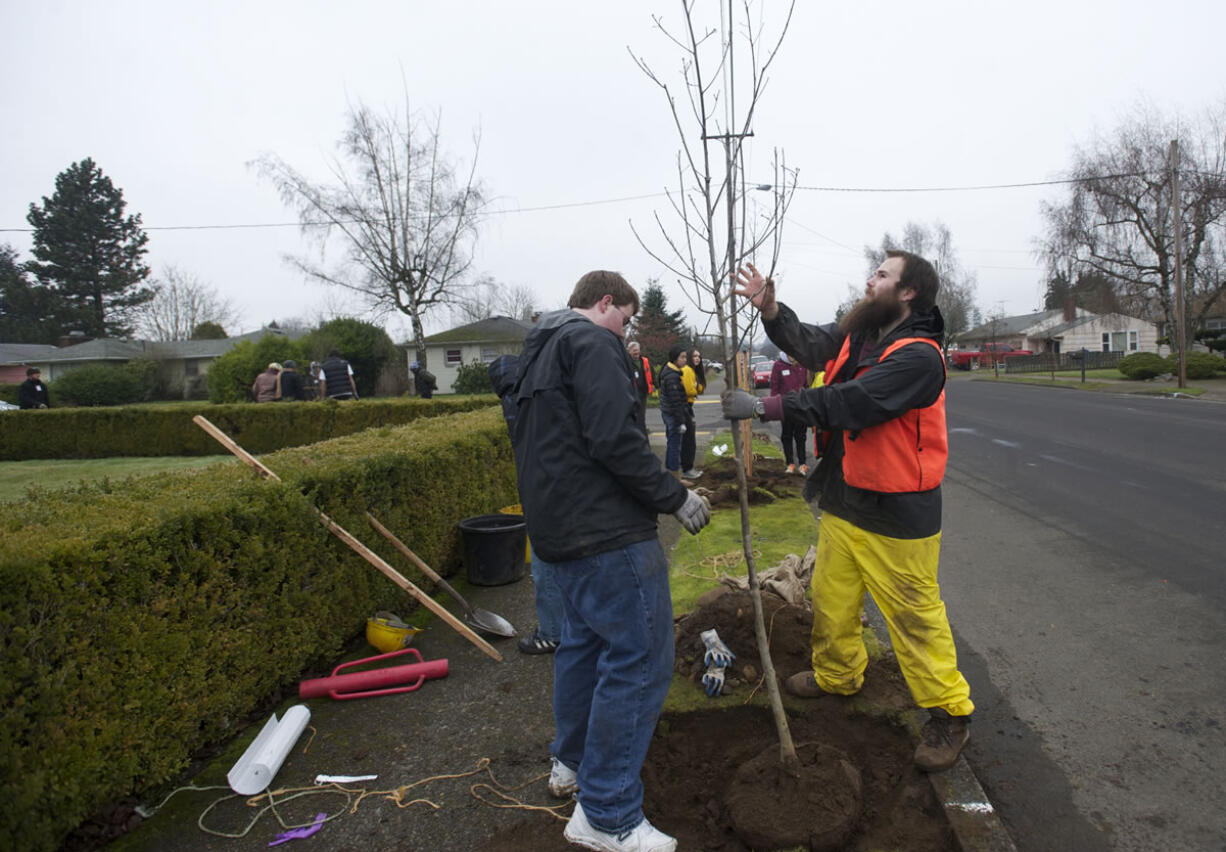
(16, 357)
(184, 363)
(481, 341)
(1068, 330)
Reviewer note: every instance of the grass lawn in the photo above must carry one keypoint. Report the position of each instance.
(18, 476)
(780, 528)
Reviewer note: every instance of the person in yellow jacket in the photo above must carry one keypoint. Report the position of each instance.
(694, 379)
(883, 408)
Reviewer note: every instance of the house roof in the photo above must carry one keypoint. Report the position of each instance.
(1002, 326)
(20, 353)
(102, 349)
(491, 330)
(105, 349)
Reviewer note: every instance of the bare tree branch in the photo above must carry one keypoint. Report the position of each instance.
(406, 219)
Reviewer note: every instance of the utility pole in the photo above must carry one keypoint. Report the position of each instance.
(1177, 216)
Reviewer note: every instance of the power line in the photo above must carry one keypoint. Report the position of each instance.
(256, 225)
(974, 188)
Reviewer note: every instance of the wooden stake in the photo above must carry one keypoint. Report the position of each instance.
(355, 545)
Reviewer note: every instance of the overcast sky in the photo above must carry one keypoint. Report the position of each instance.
(173, 100)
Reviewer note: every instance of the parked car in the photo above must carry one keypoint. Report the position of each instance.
(715, 366)
(973, 359)
(762, 374)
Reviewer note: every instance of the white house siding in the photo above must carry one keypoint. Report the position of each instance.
(436, 358)
(1089, 335)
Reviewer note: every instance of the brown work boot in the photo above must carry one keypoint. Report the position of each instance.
(943, 738)
(803, 685)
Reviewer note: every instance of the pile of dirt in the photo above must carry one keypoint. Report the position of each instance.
(770, 482)
(691, 771)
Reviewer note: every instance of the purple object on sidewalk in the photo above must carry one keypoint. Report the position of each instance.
(305, 831)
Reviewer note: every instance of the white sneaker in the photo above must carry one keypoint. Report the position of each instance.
(691, 473)
(644, 837)
(563, 781)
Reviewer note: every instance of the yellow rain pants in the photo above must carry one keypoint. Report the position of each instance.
(902, 576)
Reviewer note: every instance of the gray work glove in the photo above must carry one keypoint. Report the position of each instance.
(737, 404)
(718, 653)
(694, 514)
(713, 680)
(681, 428)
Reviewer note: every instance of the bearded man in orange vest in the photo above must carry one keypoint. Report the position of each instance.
(879, 477)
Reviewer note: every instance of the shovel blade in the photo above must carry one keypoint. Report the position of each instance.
(483, 619)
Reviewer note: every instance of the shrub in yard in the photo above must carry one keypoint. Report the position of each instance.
(99, 385)
(364, 345)
(473, 377)
(1200, 365)
(231, 375)
(1143, 365)
(144, 620)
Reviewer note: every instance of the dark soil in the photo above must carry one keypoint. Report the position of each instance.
(769, 482)
(860, 790)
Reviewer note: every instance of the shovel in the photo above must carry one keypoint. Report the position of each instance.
(355, 545)
(482, 619)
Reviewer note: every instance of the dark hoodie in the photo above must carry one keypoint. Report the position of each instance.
(588, 479)
(913, 377)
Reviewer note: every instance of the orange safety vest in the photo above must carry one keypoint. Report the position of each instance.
(905, 454)
(647, 372)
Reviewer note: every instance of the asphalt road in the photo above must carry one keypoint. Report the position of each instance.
(1083, 562)
(1084, 570)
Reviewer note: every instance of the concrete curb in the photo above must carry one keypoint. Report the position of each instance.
(971, 816)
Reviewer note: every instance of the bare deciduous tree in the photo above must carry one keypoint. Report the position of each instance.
(935, 243)
(1117, 218)
(486, 297)
(406, 214)
(181, 303)
(719, 227)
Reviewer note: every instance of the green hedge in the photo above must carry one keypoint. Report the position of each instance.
(142, 620)
(167, 430)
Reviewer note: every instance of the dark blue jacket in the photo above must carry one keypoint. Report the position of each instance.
(588, 479)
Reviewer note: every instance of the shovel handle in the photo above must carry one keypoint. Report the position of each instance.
(355, 545)
(414, 558)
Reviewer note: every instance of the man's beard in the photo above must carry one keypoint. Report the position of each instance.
(870, 315)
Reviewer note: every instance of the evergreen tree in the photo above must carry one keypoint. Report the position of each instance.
(29, 313)
(89, 252)
(656, 328)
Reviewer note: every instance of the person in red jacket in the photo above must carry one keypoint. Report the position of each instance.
(787, 376)
(883, 407)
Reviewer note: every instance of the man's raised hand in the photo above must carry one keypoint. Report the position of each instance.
(760, 291)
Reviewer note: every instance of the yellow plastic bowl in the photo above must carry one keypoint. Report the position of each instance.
(388, 633)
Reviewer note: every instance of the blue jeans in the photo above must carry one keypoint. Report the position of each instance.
(610, 675)
(672, 446)
(549, 613)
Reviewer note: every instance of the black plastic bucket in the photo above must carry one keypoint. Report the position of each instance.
(494, 548)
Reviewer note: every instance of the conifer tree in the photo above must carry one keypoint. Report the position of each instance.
(89, 252)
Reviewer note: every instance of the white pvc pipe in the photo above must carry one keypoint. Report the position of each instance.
(263, 758)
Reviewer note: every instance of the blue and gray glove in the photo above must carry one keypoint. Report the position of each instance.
(717, 652)
(713, 680)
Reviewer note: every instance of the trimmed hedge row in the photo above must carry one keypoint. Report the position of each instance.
(142, 620)
(167, 430)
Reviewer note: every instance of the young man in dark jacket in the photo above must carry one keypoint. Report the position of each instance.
(32, 393)
(883, 407)
(591, 489)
